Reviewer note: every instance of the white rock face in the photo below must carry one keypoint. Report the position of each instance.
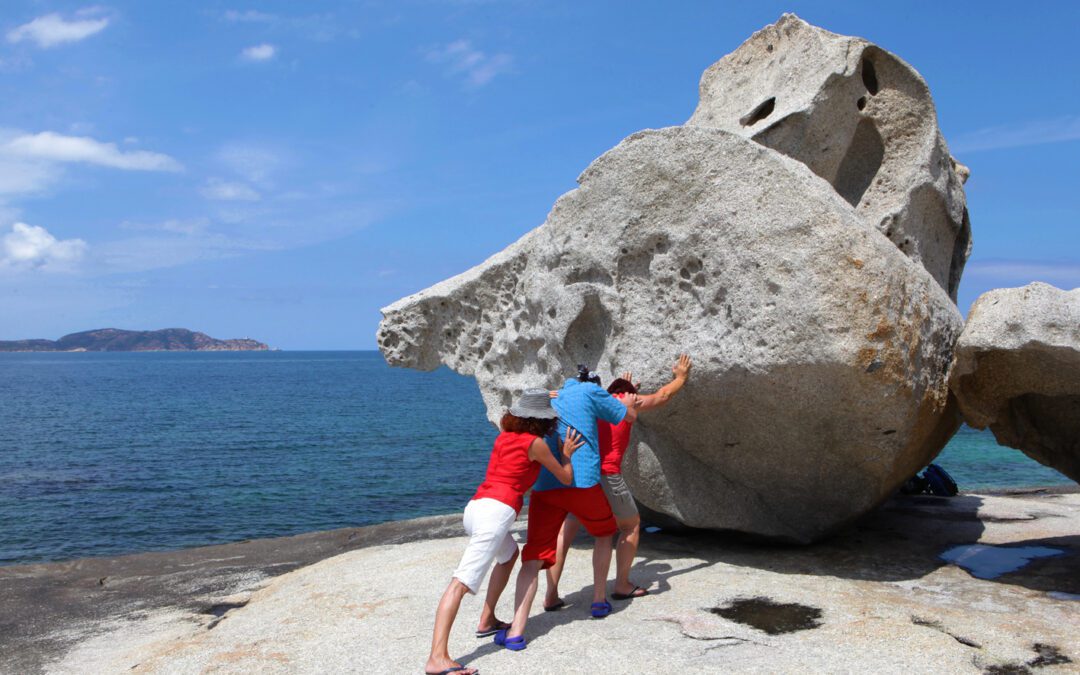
(821, 350)
(860, 118)
(1018, 372)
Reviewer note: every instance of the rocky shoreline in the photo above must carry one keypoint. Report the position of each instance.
(878, 595)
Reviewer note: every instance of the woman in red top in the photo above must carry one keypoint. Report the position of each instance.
(614, 440)
(519, 452)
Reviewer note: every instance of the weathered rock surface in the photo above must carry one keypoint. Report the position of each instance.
(1018, 372)
(859, 117)
(821, 350)
(884, 599)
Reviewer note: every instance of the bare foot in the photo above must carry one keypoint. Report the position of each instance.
(435, 666)
(552, 605)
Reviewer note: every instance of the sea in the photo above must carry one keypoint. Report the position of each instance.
(110, 453)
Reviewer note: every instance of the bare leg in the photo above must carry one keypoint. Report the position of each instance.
(569, 530)
(440, 660)
(527, 581)
(630, 529)
(496, 583)
(601, 561)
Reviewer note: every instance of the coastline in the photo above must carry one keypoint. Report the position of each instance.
(55, 609)
(51, 606)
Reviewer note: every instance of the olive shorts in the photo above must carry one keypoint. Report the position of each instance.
(618, 495)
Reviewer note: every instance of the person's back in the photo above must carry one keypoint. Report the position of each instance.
(580, 406)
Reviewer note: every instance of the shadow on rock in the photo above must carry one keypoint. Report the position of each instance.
(900, 541)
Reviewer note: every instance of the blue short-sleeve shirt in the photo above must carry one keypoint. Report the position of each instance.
(580, 405)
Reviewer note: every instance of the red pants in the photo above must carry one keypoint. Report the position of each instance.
(547, 511)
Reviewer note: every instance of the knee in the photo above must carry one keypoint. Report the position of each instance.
(630, 526)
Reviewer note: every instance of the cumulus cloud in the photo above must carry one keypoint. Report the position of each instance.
(32, 247)
(226, 191)
(256, 53)
(1035, 132)
(52, 30)
(474, 66)
(49, 146)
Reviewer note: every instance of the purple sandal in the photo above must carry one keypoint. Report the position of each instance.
(600, 609)
(516, 643)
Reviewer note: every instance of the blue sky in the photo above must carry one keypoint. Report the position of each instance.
(283, 170)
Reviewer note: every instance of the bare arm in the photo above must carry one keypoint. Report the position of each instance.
(539, 452)
(681, 370)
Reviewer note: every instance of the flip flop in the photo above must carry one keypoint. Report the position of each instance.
(631, 595)
(502, 625)
(600, 609)
(556, 607)
(515, 644)
(456, 669)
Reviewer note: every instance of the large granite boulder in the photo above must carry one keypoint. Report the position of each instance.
(1018, 372)
(859, 117)
(821, 350)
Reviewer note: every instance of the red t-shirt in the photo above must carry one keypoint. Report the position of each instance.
(614, 440)
(510, 472)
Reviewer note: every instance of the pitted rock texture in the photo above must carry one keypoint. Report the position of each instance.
(1018, 372)
(821, 351)
(859, 117)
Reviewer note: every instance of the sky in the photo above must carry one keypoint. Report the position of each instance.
(282, 170)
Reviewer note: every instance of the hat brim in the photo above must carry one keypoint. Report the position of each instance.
(536, 413)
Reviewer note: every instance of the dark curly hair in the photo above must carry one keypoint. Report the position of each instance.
(526, 425)
(621, 386)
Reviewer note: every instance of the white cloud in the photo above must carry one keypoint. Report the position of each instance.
(248, 16)
(254, 163)
(49, 146)
(32, 247)
(476, 67)
(1064, 274)
(1036, 132)
(229, 191)
(263, 52)
(52, 30)
(25, 177)
(174, 225)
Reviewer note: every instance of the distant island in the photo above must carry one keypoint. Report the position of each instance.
(116, 340)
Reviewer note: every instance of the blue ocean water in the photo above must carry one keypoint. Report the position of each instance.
(110, 453)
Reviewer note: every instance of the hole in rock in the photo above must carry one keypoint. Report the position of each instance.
(220, 609)
(861, 103)
(587, 336)
(861, 163)
(869, 76)
(759, 113)
(774, 618)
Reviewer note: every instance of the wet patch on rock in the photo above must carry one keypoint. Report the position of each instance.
(769, 616)
(1046, 655)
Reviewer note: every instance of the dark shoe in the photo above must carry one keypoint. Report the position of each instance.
(632, 594)
(502, 625)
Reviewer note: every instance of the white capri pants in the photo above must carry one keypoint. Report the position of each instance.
(487, 522)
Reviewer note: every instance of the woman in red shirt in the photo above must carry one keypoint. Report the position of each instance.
(614, 440)
(519, 452)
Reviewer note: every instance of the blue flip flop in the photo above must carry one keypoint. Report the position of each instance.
(516, 643)
(600, 609)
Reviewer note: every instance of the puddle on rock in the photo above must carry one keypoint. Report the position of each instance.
(984, 561)
(774, 618)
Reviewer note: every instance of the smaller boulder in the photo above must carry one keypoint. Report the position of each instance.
(1017, 371)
